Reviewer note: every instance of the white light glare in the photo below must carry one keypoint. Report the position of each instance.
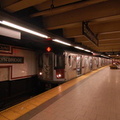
(59, 41)
(40, 73)
(87, 50)
(23, 29)
(59, 75)
(79, 48)
(104, 56)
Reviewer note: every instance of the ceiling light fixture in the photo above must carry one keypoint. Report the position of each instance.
(80, 48)
(87, 50)
(104, 56)
(23, 29)
(62, 42)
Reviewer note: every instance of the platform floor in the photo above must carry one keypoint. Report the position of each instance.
(94, 96)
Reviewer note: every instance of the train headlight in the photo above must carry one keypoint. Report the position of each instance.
(59, 75)
(40, 73)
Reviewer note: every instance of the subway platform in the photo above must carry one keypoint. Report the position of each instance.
(93, 96)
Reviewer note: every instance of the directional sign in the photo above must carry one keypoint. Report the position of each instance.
(89, 34)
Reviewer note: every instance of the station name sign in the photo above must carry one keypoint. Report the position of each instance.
(11, 59)
(89, 34)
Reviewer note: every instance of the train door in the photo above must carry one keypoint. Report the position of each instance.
(103, 62)
(48, 66)
(86, 64)
(71, 60)
(94, 63)
(59, 66)
(78, 65)
(100, 62)
(90, 63)
(83, 62)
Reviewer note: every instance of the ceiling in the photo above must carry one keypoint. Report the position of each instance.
(65, 18)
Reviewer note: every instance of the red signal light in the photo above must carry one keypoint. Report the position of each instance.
(49, 39)
(48, 49)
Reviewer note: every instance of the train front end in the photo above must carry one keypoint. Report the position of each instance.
(51, 67)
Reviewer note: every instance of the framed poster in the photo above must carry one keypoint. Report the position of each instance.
(4, 73)
(5, 48)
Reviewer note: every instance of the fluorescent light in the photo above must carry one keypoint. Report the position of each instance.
(23, 29)
(59, 41)
(80, 48)
(87, 50)
(104, 56)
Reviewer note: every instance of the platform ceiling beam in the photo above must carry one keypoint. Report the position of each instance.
(117, 40)
(81, 39)
(110, 8)
(109, 50)
(114, 35)
(106, 27)
(109, 45)
(22, 4)
(45, 9)
(96, 28)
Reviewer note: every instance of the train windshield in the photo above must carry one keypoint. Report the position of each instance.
(47, 59)
(40, 62)
(59, 61)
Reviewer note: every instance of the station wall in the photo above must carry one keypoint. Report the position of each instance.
(18, 72)
(17, 63)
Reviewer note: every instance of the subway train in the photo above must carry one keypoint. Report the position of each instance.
(20, 69)
(67, 65)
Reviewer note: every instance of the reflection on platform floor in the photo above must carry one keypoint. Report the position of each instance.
(96, 97)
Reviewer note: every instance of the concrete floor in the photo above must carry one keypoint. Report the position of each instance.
(95, 98)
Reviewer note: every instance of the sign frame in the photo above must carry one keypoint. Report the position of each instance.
(5, 48)
(87, 32)
(11, 59)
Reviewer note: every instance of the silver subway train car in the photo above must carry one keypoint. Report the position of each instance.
(67, 65)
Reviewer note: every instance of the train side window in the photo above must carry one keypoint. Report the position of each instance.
(55, 61)
(90, 64)
(78, 62)
(69, 61)
(74, 60)
(59, 61)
